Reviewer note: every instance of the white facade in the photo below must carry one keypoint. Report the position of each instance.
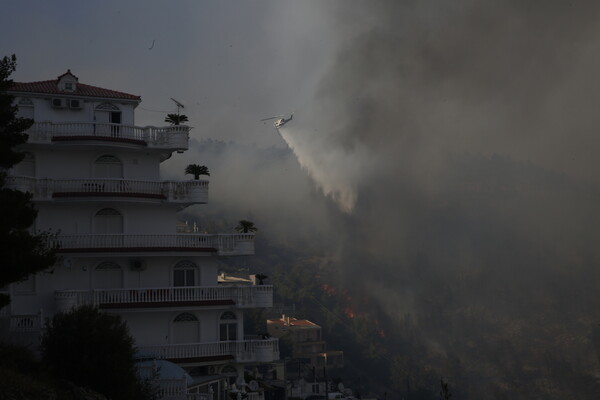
(95, 179)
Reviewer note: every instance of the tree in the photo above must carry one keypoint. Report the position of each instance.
(261, 278)
(245, 226)
(94, 349)
(176, 119)
(197, 170)
(21, 252)
(444, 391)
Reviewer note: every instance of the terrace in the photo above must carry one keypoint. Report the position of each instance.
(168, 138)
(240, 296)
(178, 192)
(249, 350)
(217, 244)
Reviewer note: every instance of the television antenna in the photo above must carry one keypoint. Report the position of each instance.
(179, 105)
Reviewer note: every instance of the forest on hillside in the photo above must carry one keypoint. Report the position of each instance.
(491, 285)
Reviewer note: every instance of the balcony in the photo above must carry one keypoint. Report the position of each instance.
(168, 138)
(26, 323)
(177, 192)
(239, 244)
(240, 296)
(253, 350)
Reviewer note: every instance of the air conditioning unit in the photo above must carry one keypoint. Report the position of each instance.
(137, 265)
(58, 103)
(75, 104)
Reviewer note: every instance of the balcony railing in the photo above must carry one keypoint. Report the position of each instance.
(220, 244)
(241, 296)
(171, 137)
(192, 191)
(26, 323)
(264, 350)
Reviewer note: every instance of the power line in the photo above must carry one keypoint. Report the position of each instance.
(162, 111)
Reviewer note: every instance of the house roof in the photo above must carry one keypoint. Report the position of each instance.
(83, 90)
(292, 322)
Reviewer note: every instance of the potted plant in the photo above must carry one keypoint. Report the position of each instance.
(245, 226)
(197, 170)
(176, 119)
(261, 278)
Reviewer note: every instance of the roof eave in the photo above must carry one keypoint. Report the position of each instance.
(71, 95)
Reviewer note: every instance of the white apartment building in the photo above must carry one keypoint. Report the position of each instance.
(95, 179)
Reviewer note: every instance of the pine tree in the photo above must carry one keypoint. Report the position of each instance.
(22, 253)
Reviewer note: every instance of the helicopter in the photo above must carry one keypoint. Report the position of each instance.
(281, 120)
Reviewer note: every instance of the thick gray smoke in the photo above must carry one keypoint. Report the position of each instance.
(417, 82)
(459, 141)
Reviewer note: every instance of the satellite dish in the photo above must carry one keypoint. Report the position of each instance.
(253, 385)
(341, 387)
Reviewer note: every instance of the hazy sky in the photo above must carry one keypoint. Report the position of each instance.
(230, 62)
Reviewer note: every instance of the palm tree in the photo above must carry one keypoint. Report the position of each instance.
(245, 226)
(197, 170)
(261, 278)
(176, 119)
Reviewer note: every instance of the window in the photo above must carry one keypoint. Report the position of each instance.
(108, 166)
(108, 275)
(228, 326)
(108, 220)
(104, 115)
(25, 106)
(27, 166)
(184, 274)
(186, 328)
(185, 317)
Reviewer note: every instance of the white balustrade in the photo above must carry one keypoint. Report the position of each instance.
(171, 387)
(243, 296)
(170, 137)
(26, 323)
(239, 350)
(222, 244)
(193, 191)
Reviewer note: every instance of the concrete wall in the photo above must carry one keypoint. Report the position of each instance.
(71, 218)
(73, 273)
(43, 110)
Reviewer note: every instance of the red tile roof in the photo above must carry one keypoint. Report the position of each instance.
(51, 87)
(293, 322)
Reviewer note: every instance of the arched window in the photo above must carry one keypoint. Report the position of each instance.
(108, 275)
(185, 317)
(108, 220)
(185, 274)
(25, 106)
(27, 166)
(228, 326)
(186, 328)
(107, 113)
(108, 166)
